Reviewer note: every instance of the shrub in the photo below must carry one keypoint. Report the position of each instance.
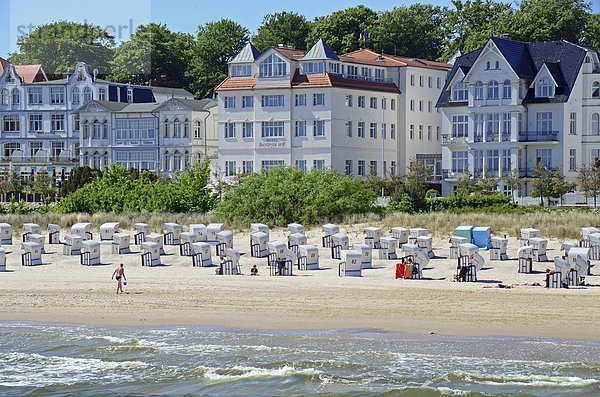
(487, 202)
(286, 194)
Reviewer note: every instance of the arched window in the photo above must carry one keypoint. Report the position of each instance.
(479, 90)
(105, 130)
(596, 89)
(493, 90)
(197, 129)
(506, 89)
(88, 96)
(5, 96)
(86, 131)
(595, 124)
(544, 88)
(166, 128)
(97, 160)
(488, 65)
(177, 161)
(75, 98)
(16, 96)
(176, 129)
(459, 92)
(166, 166)
(105, 159)
(186, 127)
(497, 64)
(97, 130)
(186, 159)
(76, 122)
(272, 66)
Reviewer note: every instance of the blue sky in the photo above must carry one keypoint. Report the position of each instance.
(19, 16)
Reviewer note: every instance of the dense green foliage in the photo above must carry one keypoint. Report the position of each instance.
(287, 28)
(287, 194)
(485, 202)
(79, 177)
(117, 192)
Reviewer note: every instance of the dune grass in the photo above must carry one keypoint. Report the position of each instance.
(555, 223)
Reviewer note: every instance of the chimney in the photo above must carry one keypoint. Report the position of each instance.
(280, 46)
(506, 36)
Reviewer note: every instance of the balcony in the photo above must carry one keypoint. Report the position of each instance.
(38, 160)
(452, 175)
(538, 136)
(448, 139)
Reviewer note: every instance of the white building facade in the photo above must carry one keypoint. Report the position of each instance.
(320, 110)
(511, 105)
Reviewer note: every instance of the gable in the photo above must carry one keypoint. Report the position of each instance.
(491, 64)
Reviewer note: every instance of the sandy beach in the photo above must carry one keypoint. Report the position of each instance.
(62, 290)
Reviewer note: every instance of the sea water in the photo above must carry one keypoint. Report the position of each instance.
(58, 359)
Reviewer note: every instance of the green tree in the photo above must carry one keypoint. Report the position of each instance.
(559, 186)
(548, 182)
(216, 43)
(15, 183)
(488, 185)
(43, 184)
(413, 31)
(346, 30)
(286, 28)
(465, 184)
(513, 181)
(58, 46)
(588, 179)
(591, 34)
(546, 20)
(79, 177)
(471, 23)
(153, 53)
(415, 184)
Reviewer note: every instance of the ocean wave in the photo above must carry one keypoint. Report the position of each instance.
(521, 380)
(242, 372)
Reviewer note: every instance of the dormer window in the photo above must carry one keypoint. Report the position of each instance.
(596, 89)
(488, 65)
(459, 92)
(273, 66)
(75, 96)
(241, 71)
(87, 95)
(544, 88)
(16, 96)
(497, 65)
(334, 68)
(314, 68)
(9, 78)
(80, 75)
(129, 95)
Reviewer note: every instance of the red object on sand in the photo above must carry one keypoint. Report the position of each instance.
(400, 270)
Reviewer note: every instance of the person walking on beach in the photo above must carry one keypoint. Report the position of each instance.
(119, 274)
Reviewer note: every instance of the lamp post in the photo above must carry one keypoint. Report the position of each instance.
(382, 144)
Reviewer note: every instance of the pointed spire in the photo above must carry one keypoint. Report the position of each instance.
(248, 54)
(320, 51)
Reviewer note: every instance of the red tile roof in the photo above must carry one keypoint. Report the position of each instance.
(368, 57)
(29, 73)
(290, 52)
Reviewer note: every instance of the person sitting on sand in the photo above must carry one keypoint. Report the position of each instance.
(254, 271)
(119, 274)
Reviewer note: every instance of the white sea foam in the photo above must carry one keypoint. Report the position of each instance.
(240, 372)
(526, 380)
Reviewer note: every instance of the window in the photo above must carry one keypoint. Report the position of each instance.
(198, 129)
(506, 126)
(229, 102)
(460, 92)
(437, 133)
(241, 71)
(393, 104)
(506, 162)
(229, 130)
(479, 90)
(318, 99)
(393, 168)
(319, 164)
(497, 64)
(373, 130)
(300, 128)
(57, 122)
(460, 161)
(573, 123)
(493, 126)
(506, 89)
(34, 147)
(334, 68)
(349, 101)
(383, 103)
(349, 129)
(544, 122)
(5, 96)
(314, 68)
(393, 131)
(438, 82)
(247, 167)
(412, 79)
(366, 73)
(300, 99)
(248, 129)
(97, 130)
(420, 81)
(544, 156)
(595, 124)
(596, 89)
(411, 133)
(35, 123)
(373, 167)
(428, 132)
(373, 102)
(75, 97)
(272, 66)
(177, 129)
(230, 168)
(492, 90)
(379, 73)
(460, 126)
(87, 95)
(412, 104)
(57, 95)
(361, 101)
(429, 106)
(186, 126)
(361, 129)
(130, 100)
(247, 101)
(319, 128)
(352, 72)
(16, 97)
(102, 94)
(420, 132)
(572, 160)
(420, 106)
(487, 65)
(544, 88)
(478, 121)
(429, 81)
(301, 164)
(272, 129)
(34, 95)
(361, 168)
(266, 164)
(348, 167)
(383, 131)
(271, 101)
(10, 147)
(11, 123)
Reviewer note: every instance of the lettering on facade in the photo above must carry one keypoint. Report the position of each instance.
(272, 142)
